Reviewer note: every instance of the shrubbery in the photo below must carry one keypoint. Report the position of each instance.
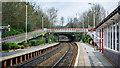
(14, 45)
(53, 39)
(11, 32)
(36, 42)
(8, 46)
(5, 46)
(33, 42)
(41, 41)
(87, 39)
(11, 45)
(22, 46)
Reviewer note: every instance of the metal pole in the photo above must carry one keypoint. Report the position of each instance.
(93, 15)
(26, 27)
(119, 34)
(100, 40)
(83, 26)
(42, 23)
(94, 19)
(42, 27)
(88, 21)
(116, 36)
(107, 36)
(112, 37)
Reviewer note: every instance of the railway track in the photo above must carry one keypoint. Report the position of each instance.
(64, 55)
(68, 57)
(39, 59)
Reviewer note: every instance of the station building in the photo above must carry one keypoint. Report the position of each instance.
(109, 36)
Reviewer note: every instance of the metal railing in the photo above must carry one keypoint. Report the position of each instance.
(21, 37)
(68, 30)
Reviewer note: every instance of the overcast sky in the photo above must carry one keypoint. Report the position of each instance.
(69, 8)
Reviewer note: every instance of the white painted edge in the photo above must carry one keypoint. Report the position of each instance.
(76, 61)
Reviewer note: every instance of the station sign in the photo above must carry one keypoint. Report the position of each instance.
(91, 29)
(5, 28)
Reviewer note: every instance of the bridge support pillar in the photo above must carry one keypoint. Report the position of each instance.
(20, 59)
(31, 55)
(25, 57)
(36, 53)
(40, 52)
(11, 61)
(5, 64)
(16, 60)
(28, 56)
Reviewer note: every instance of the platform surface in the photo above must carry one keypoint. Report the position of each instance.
(88, 57)
(6, 55)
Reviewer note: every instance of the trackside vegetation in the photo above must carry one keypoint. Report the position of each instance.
(87, 39)
(34, 42)
(84, 38)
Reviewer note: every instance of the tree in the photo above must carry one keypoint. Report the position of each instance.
(52, 14)
(70, 23)
(87, 17)
(62, 21)
(14, 14)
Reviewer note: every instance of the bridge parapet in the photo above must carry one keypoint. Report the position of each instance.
(67, 30)
(21, 37)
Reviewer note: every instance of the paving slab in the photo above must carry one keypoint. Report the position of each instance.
(82, 60)
(88, 57)
(96, 58)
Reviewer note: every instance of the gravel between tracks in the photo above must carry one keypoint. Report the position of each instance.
(55, 57)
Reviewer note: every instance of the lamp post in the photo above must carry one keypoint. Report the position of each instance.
(26, 27)
(93, 20)
(42, 26)
(88, 21)
(93, 14)
(42, 22)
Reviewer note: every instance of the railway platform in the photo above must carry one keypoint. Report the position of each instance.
(5, 54)
(8, 58)
(90, 58)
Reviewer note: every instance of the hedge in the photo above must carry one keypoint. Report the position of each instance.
(41, 41)
(14, 45)
(33, 42)
(37, 42)
(5, 46)
(11, 32)
(8, 46)
(87, 39)
(53, 39)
